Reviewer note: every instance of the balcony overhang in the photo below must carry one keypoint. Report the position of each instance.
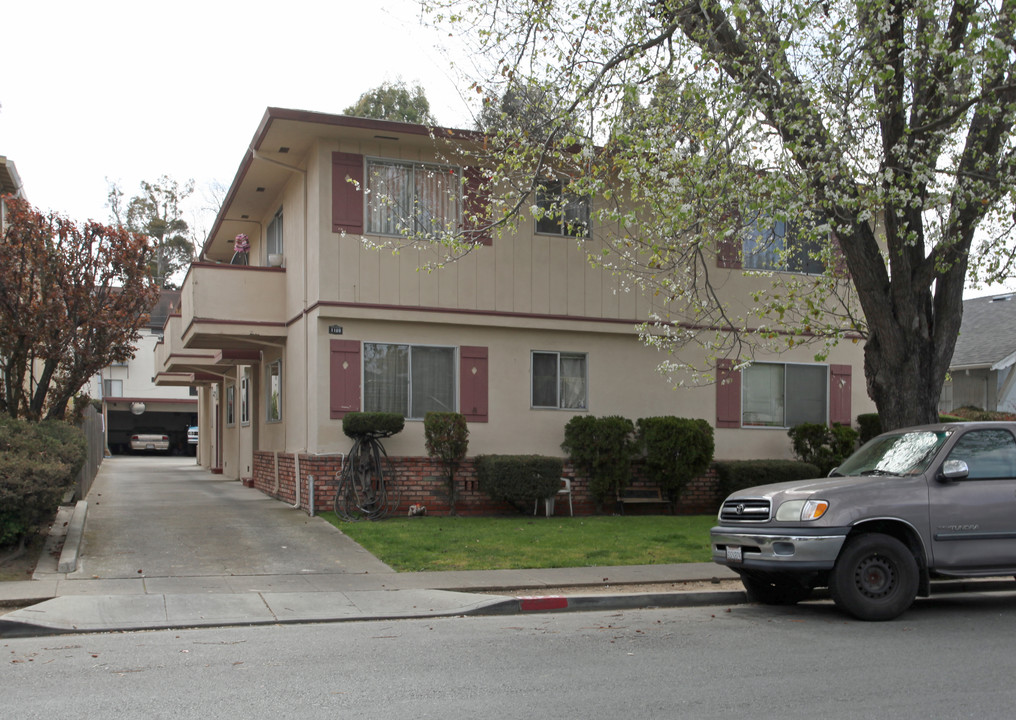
(188, 361)
(231, 357)
(173, 379)
(233, 307)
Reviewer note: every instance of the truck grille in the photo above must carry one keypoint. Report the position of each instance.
(745, 510)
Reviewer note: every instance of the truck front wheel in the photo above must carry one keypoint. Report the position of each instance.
(875, 577)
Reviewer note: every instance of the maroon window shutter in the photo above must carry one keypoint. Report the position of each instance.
(473, 383)
(728, 395)
(347, 197)
(839, 394)
(344, 372)
(728, 254)
(474, 203)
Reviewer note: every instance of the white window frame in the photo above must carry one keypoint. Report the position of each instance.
(752, 412)
(381, 213)
(409, 413)
(558, 390)
(273, 235)
(273, 370)
(112, 388)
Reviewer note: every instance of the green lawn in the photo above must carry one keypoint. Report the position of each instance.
(456, 543)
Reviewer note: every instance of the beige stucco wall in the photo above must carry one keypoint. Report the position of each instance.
(622, 380)
(525, 292)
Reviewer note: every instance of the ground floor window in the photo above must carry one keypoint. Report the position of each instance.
(273, 388)
(408, 379)
(784, 395)
(230, 405)
(245, 399)
(559, 380)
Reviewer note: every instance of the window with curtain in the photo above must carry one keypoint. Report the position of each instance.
(408, 379)
(784, 395)
(563, 213)
(412, 198)
(559, 380)
(112, 388)
(273, 388)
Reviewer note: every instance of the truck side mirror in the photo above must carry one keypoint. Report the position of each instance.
(954, 470)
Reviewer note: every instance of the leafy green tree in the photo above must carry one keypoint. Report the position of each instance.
(394, 101)
(156, 213)
(882, 131)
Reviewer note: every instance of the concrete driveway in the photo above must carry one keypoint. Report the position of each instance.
(155, 516)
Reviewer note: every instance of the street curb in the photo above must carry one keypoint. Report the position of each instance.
(72, 543)
(583, 603)
(495, 607)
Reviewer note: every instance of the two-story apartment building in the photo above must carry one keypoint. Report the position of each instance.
(519, 335)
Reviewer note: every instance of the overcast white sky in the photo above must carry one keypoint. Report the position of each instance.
(130, 90)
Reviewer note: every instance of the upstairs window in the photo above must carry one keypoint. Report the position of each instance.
(112, 388)
(412, 198)
(778, 245)
(273, 236)
(563, 213)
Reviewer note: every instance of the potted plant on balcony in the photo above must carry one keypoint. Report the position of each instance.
(241, 246)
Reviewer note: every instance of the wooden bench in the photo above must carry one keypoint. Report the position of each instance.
(642, 496)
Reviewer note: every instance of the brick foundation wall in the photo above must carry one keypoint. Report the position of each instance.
(420, 481)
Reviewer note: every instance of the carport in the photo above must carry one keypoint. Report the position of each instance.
(126, 416)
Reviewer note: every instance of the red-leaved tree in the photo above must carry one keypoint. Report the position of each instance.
(72, 300)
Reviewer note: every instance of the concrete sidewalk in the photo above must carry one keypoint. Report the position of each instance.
(123, 568)
(77, 606)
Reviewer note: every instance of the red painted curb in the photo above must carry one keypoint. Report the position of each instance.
(550, 602)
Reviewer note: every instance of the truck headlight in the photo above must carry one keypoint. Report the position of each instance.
(801, 510)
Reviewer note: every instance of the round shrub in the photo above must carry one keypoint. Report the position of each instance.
(519, 480)
(677, 450)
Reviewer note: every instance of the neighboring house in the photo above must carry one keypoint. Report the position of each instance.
(133, 403)
(519, 336)
(982, 370)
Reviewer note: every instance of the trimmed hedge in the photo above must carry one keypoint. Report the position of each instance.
(447, 438)
(372, 424)
(677, 450)
(734, 475)
(519, 480)
(39, 462)
(602, 448)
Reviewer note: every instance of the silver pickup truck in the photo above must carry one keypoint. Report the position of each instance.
(909, 505)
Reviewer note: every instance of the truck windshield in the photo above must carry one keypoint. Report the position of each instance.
(907, 453)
